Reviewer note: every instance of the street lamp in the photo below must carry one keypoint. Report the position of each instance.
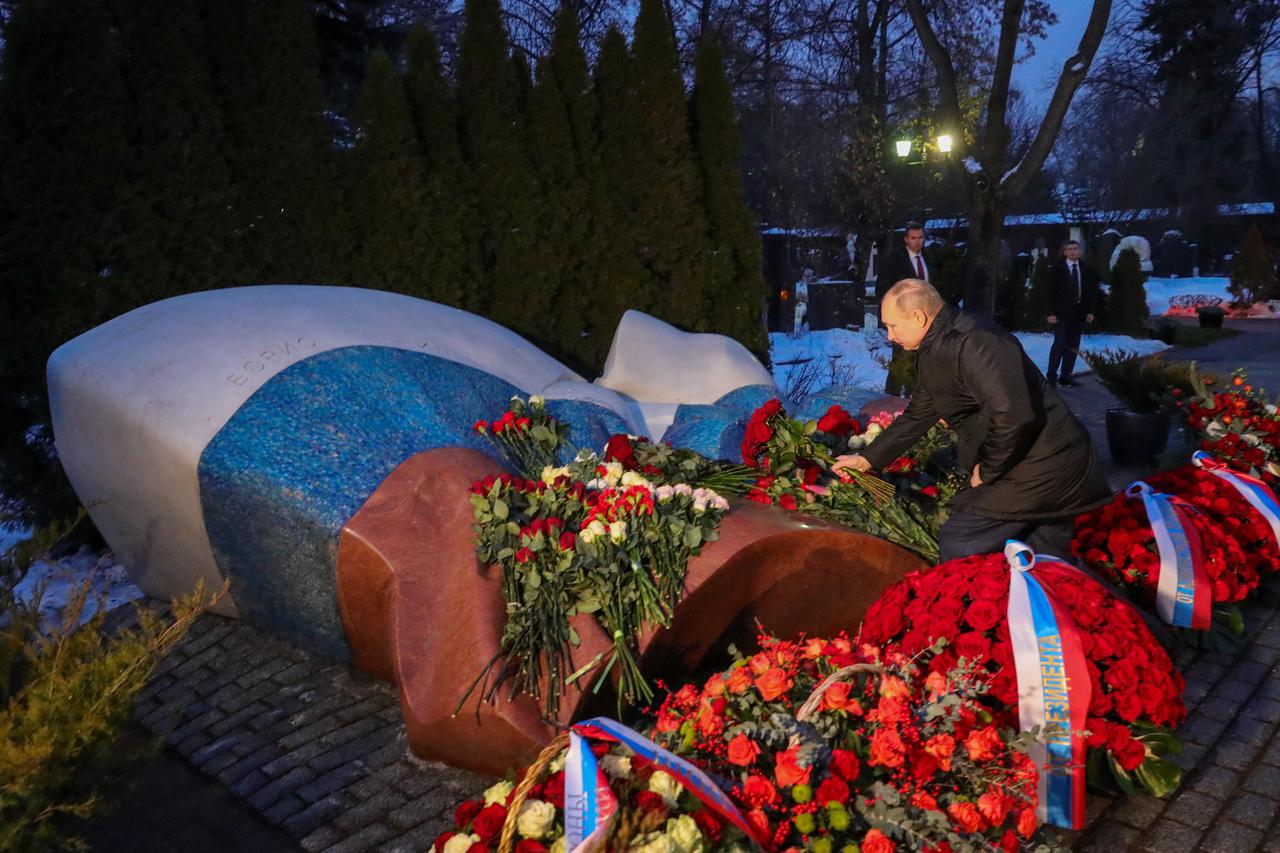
(904, 147)
(944, 144)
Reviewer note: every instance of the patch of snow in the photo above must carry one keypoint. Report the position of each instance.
(1037, 345)
(972, 166)
(62, 580)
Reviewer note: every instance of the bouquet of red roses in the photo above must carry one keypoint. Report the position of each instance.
(826, 744)
(1228, 509)
(663, 464)
(1137, 693)
(796, 458)
(1117, 541)
(1237, 426)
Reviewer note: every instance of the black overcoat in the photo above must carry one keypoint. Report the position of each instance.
(1035, 459)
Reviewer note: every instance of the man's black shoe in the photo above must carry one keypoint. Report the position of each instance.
(1068, 383)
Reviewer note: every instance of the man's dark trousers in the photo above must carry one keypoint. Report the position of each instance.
(1066, 345)
(965, 533)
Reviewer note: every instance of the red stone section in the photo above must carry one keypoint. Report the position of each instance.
(421, 612)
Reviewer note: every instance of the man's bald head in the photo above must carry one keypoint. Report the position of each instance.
(907, 311)
(914, 294)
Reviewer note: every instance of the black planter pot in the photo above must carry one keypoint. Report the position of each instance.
(1136, 439)
(1211, 319)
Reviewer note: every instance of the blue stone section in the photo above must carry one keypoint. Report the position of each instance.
(716, 430)
(850, 399)
(303, 454)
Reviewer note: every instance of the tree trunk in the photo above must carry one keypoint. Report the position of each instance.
(983, 271)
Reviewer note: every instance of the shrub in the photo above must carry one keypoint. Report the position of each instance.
(1127, 308)
(1253, 278)
(1143, 384)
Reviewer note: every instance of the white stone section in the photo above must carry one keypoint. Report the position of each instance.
(1137, 244)
(653, 362)
(136, 400)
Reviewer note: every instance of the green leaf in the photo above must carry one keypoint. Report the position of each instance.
(1121, 776)
(500, 509)
(1158, 776)
(692, 536)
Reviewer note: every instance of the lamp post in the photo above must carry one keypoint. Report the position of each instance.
(904, 147)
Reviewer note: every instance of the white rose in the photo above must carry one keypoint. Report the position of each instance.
(684, 834)
(722, 504)
(560, 845)
(665, 785)
(631, 478)
(557, 763)
(460, 843)
(699, 505)
(856, 442)
(872, 431)
(653, 842)
(683, 489)
(664, 493)
(618, 531)
(550, 473)
(498, 792)
(535, 819)
(536, 400)
(616, 766)
(612, 473)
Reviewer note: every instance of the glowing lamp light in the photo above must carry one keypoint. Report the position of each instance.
(904, 147)
(944, 144)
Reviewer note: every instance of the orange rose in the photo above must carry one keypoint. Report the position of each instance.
(1027, 823)
(760, 663)
(887, 749)
(941, 747)
(892, 687)
(877, 842)
(836, 697)
(740, 680)
(743, 750)
(773, 684)
(966, 816)
(994, 805)
(787, 769)
(984, 744)
(760, 790)
(936, 684)
(715, 685)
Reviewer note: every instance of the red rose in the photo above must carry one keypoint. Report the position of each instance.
(983, 615)
(567, 540)
(526, 845)
(887, 749)
(921, 800)
(648, 801)
(923, 766)
(758, 791)
(831, 790)
(984, 744)
(966, 816)
(973, 647)
(478, 847)
(845, 764)
(837, 422)
(773, 684)
(553, 790)
(442, 840)
(787, 769)
(488, 822)
(709, 824)
(877, 842)
(466, 812)
(743, 751)
(787, 501)
(619, 450)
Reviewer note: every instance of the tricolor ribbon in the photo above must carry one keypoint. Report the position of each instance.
(1054, 687)
(588, 810)
(1184, 597)
(1253, 490)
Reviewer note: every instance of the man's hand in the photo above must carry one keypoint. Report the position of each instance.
(975, 480)
(1053, 319)
(1088, 318)
(856, 461)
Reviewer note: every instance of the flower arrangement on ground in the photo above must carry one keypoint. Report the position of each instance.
(821, 744)
(795, 458)
(1136, 696)
(1237, 426)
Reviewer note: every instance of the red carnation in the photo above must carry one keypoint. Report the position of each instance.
(845, 764)
(619, 449)
(831, 790)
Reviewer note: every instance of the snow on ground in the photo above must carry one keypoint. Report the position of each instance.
(1161, 290)
(851, 357)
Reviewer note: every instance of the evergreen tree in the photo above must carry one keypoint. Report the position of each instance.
(502, 180)
(64, 151)
(1039, 303)
(291, 220)
(448, 215)
(1253, 276)
(179, 178)
(735, 279)
(390, 195)
(1127, 308)
(669, 214)
(563, 142)
(625, 282)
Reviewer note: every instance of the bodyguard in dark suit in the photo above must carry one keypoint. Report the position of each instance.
(1033, 467)
(905, 261)
(1074, 300)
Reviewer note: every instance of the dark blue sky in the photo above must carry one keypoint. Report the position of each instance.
(1037, 75)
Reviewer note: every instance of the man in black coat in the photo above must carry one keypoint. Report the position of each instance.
(906, 261)
(1033, 465)
(1074, 300)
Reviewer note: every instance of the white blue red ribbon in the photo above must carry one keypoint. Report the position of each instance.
(1253, 490)
(1054, 687)
(1184, 596)
(587, 811)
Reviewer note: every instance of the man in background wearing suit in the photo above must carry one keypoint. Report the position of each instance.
(1074, 299)
(906, 261)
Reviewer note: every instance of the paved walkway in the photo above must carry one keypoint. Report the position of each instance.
(270, 748)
